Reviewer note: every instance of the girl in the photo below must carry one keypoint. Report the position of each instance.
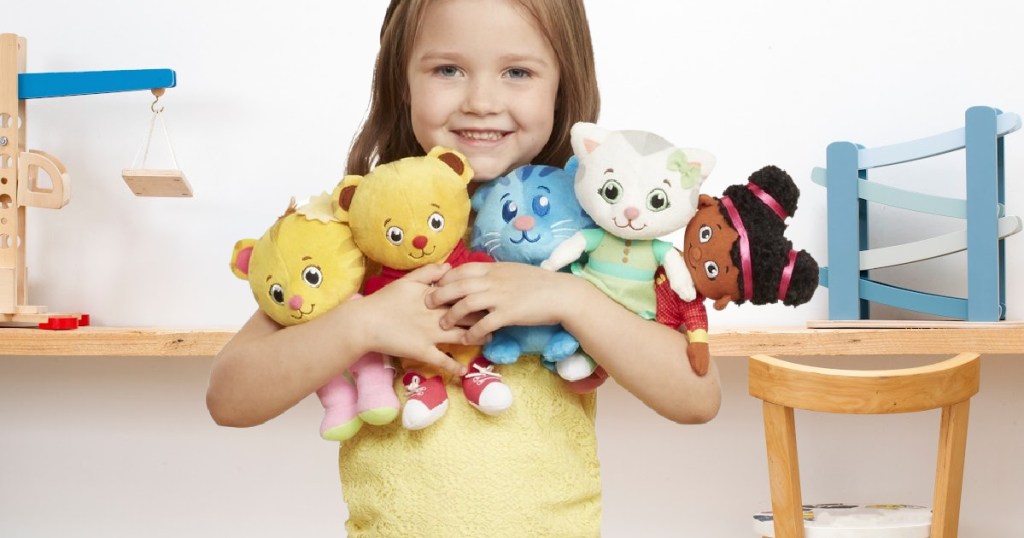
(502, 81)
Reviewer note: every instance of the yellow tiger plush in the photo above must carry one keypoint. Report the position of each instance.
(406, 214)
(303, 266)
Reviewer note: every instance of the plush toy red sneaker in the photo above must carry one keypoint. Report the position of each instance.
(427, 400)
(484, 389)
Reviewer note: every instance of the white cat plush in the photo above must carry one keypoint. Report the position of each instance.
(637, 187)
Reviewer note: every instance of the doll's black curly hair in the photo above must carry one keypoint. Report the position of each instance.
(769, 248)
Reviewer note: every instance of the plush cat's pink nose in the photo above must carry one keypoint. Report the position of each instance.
(419, 241)
(524, 223)
(631, 213)
(295, 302)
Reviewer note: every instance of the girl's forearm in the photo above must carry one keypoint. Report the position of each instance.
(264, 369)
(645, 357)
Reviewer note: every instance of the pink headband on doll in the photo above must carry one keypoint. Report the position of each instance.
(747, 266)
(787, 275)
(737, 222)
(768, 200)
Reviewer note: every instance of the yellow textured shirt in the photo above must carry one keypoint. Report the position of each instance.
(532, 471)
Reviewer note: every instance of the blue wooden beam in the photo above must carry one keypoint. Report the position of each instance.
(39, 85)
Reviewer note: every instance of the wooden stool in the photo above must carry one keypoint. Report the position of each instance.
(785, 386)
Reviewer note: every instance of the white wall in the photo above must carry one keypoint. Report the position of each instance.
(267, 103)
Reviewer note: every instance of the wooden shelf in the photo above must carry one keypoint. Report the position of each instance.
(725, 342)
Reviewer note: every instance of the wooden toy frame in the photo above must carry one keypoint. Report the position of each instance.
(848, 191)
(20, 168)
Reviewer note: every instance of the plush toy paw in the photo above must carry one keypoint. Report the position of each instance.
(575, 367)
(484, 390)
(502, 350)
(427, 401)
(340, 432)
(560, 346)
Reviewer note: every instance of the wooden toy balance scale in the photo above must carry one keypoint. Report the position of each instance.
(20, 168)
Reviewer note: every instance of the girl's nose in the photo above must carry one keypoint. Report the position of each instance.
(482, 97)
(523, 223)
(419, 241)
(631, 213)
(295, 302)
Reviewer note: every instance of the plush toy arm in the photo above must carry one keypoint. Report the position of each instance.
(678, 276)
(697, 351)
(569, 251)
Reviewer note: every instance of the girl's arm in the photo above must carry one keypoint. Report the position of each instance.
(645, 357)
(265, 369)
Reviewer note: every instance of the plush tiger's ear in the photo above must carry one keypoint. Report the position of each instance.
(341, 196)
(241, 256)
(454, 160)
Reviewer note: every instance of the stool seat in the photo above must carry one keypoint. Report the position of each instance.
(840, 520)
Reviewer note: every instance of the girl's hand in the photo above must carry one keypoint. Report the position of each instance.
(504, 293)
(400, 323)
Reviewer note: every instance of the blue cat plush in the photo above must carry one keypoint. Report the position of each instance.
(521, 217)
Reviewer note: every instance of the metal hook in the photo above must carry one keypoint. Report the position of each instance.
(157, 92)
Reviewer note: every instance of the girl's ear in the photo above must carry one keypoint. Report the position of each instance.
(241, 256)
(341, 197)
(723, 302)
(586, 137)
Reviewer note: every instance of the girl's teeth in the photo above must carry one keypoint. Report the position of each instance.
(479, 135)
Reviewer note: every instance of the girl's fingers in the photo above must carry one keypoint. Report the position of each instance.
(437, 358)
(428, 274)
(480, 333)
(464, 271)
(454, 291)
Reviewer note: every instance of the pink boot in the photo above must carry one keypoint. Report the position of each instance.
(376, 401)
(340, 422)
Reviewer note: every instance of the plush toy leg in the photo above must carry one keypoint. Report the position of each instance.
(502, 349)
(559, 346)
(484, 389)
(589, 384)
(575, 367)
(427, 400)
(376, 401)
(340, 422)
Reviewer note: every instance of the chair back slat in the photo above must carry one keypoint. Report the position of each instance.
(864, 391)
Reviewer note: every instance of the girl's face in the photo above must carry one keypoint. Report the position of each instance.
(482, 80)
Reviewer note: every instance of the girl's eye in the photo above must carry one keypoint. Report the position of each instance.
(711, 269)
(277, 293)
(447, 71)
(509, 211)
(541, 205)
(517, 72)
(312, 276)
(611, 191)
(395, 235)
(704, 234)
(436, 222)
(657, 200)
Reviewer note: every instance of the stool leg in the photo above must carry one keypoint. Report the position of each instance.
(783, 471)
(949, 473)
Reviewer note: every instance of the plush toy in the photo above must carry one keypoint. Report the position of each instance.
(406, 214)
(303, 266)
(735, 251)
(521, 217)
(637, 187)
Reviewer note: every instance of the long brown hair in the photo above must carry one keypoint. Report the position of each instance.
(387, 133)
